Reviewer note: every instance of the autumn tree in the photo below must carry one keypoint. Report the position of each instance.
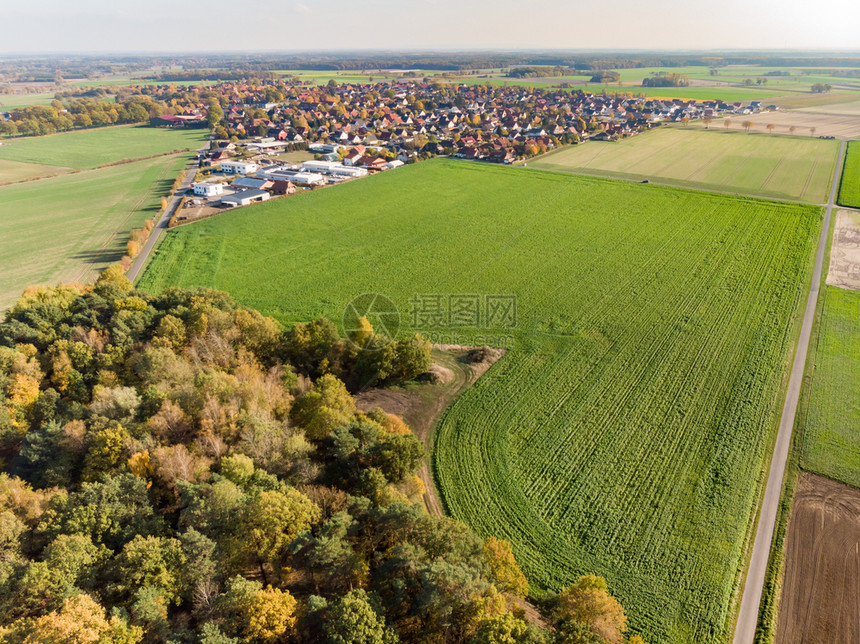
(588, 603)
(500, 557)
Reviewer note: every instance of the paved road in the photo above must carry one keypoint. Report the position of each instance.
(751, 600)
(161, 225)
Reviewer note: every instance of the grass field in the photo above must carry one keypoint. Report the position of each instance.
(849, 187)
(782, 167)
(12, 171)
(90, 148)
(831, 443)
(71, 227)
(624, 433)
(698, 93)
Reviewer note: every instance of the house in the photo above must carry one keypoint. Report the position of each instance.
(245, 198)
(350, 158)
(174, 120)
(207, 189)
(238, 167)
(283, 187)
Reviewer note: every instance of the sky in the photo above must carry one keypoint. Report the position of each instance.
(77, 26)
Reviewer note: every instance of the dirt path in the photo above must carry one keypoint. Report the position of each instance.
(422, 408)
(821, 590)
(423, 405)
(752, 590)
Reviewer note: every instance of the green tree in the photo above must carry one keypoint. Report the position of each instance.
(267, 525)
(153, 562)
(353, 619)
(327, 406)
(508, 629)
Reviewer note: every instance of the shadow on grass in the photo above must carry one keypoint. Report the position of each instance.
(102, 256)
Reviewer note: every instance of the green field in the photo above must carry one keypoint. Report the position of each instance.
(782, 167)
(13, 101)
(90, 148)
(71, 227)
(697, 93)
(625, 431)
(831, 441)
(849, 187)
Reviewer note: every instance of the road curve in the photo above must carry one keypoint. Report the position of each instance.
(161, 224)
(745, 627)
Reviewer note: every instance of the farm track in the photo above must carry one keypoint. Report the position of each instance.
(745, 627)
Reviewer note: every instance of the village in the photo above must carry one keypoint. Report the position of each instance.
(409, 120)
(275, 138)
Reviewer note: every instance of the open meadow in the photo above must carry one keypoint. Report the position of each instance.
(81, 149)
(782, 167)
(71, 227)
(625, 431)
(14, 171)
(831, 444)
(849, 187)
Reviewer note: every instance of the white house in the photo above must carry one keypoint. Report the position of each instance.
(208, 189)
(306, 178)
(238, 167)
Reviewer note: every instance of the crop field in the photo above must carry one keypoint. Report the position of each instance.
(624, 432)
(71, 227)
(846, 108)
(782, 167)
(831, 443)
(849, 187)
(792, 122)
(90, 148)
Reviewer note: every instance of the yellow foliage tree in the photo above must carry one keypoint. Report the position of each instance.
(500, 557)
(81, 620)
(271, 615)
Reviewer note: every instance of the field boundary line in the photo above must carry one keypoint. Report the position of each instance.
(753, 589)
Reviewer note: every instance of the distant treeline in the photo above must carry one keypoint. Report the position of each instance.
(541, 72)
(51, 69)
(605, 77)
(129, 106)
(664, 79)
(211, 75)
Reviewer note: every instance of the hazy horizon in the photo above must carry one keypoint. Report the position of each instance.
(96, 26)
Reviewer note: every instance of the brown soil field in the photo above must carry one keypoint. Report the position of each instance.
(845, 252)
(821, 590)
